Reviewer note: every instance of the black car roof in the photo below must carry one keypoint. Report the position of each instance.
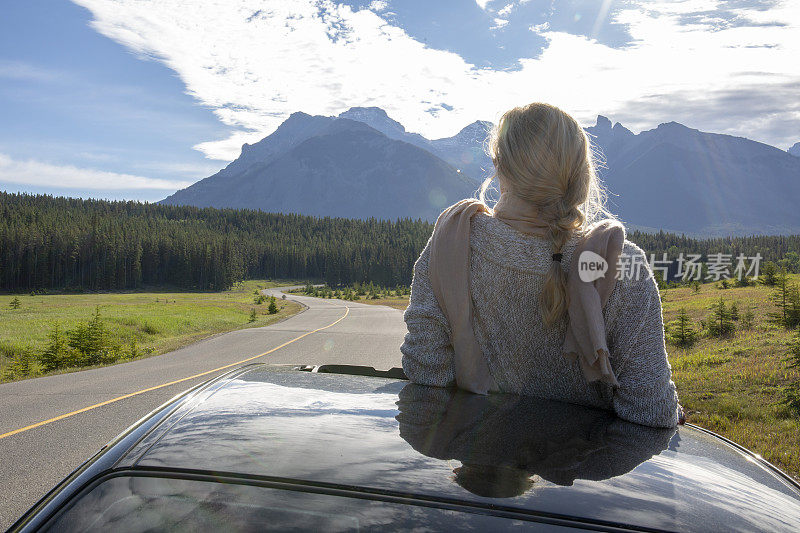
(389, 436)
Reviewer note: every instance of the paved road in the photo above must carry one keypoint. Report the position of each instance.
(34, 460)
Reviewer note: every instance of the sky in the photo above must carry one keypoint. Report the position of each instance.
(134, 99)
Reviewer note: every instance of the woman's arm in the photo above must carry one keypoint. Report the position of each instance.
(427, 350)
(646, 393)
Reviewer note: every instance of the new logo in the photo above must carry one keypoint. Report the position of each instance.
(591, 266)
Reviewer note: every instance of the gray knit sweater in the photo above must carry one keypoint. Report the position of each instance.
(507, 272)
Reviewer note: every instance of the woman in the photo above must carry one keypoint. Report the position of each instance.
(498, 302)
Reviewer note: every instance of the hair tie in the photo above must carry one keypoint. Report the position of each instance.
(557, 257)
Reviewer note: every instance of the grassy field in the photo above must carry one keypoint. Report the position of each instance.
(732, 386)
(372, 295)
(157, 322)
(397, 302)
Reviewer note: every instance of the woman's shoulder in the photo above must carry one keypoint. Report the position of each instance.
(635, 284)
(633, 264)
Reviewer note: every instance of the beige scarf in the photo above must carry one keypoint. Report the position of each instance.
(449, 274)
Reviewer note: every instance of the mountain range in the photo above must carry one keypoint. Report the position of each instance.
(363, 164)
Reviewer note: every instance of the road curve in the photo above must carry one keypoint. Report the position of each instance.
(35, 459)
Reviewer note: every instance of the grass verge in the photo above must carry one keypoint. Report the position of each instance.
(158, 322)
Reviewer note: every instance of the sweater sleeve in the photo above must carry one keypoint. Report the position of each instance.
(646, 394)
(427, 350)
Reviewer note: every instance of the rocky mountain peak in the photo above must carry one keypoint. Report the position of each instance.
(375, 117)
(603, 123)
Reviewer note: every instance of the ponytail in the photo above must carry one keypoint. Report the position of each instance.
(554, 298)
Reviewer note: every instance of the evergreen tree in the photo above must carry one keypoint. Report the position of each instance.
(682, 333)
(720, 323)
(793, 310)
(791, 393)
(253, 315)
(60, 243)
(786, 298)
(733, 311)
(133, 350)
(93, 342)
(65, 243)
(21, 365)
(57, 353)
(791, 262)
(747, 319)
(769, 274)
(15, 303)
(273, 306)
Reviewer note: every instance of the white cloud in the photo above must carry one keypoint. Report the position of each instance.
(499, 23)
(256, 64)
(539, 28)
(37, 173)
(378, 5)
(229, 149)
(482, 3)
(506, 10)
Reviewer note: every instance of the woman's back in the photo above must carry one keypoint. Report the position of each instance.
(507, 275)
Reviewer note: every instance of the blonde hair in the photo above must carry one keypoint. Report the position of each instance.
(542, 154)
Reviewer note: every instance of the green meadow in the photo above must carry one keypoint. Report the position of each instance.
(735, 385)
(141, 323)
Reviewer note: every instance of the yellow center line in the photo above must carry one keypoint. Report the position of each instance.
(95, 406)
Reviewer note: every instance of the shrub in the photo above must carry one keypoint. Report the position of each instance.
(19, 367)
(747, 319)
(149, 329)
(681, 331)
(21, 361)
(720, 323)
(93, 341)
(58, 354)
(133, 350)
